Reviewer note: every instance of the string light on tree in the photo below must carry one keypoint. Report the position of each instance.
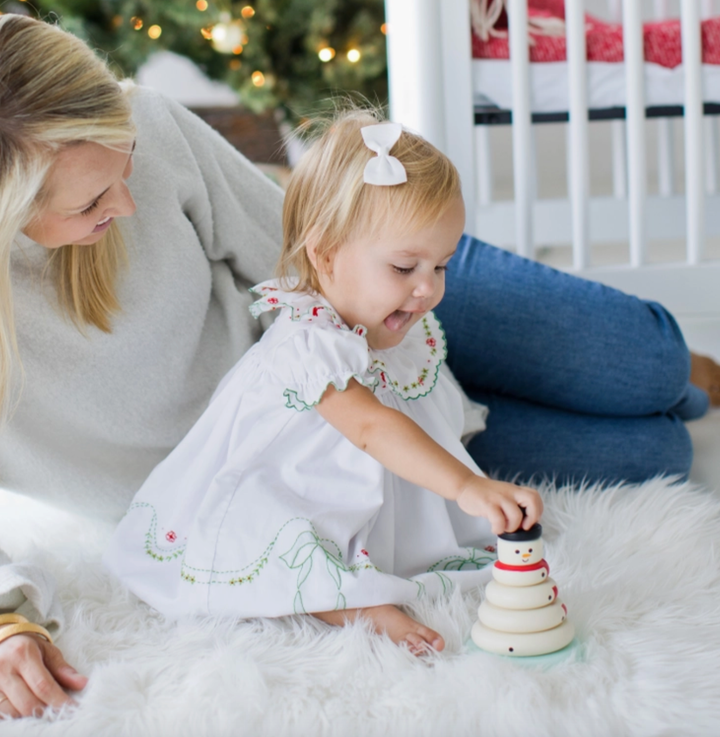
(352, 57)
(227, 35)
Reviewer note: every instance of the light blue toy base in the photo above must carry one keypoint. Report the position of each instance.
(573, 651)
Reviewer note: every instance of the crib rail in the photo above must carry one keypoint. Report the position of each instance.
(631, 214)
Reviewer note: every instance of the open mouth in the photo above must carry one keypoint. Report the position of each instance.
(398, 320)
(104, 223)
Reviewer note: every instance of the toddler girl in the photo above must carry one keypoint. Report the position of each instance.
(327, 474)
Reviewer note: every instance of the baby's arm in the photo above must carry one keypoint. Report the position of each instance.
(404, 448)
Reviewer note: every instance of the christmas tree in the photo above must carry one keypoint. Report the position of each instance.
(289, 54)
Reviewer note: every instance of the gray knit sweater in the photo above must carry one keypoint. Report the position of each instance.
(99, 411)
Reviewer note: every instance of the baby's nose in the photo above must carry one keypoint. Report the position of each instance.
(424, 288)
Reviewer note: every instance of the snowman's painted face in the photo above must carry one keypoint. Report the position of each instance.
(520, 553)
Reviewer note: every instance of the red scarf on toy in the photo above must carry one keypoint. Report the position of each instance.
(533, 567)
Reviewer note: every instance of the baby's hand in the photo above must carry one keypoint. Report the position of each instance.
(502, 503)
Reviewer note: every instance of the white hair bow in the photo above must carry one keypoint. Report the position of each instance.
(383, 169)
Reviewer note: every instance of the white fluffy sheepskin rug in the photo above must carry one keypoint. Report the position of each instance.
(638, 567)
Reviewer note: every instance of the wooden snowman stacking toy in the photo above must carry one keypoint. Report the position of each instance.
(521, 614)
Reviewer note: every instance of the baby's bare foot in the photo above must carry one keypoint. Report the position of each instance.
(705, 373)
(399, 627)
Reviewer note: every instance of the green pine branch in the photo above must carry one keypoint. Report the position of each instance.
(283, 40)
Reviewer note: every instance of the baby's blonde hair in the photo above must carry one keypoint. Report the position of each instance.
(54, 93)
(327, 202)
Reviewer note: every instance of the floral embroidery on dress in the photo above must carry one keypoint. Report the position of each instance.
(307, 551)
(410, 373)
(425, 344)
(300, 304)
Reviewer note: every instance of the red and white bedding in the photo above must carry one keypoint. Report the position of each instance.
(664, 82)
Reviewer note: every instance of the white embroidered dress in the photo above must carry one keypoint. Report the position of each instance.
(264, 509)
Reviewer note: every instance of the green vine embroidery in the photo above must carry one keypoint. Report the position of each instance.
(193, 575)
(162, 555)
(445, 581)
(307, 551)
(300, 557)
(294, 401)
(475, 560)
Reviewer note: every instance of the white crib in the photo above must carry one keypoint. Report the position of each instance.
(431, 91)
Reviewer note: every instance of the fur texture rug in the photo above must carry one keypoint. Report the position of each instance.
(637, 566)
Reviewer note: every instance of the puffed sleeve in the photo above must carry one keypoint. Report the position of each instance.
(313, 358)
(30, 591)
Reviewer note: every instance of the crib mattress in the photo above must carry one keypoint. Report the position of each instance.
(549, 84)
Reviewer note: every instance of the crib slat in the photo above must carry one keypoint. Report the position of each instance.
(521, 125)
(617, 127)
(635, 107)
(579, 156)
(694, 165)
(707, 10)
(665, 147)
(458, 96)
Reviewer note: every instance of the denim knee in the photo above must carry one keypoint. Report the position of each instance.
(668, 368)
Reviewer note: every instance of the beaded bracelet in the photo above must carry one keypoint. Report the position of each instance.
(21, 628)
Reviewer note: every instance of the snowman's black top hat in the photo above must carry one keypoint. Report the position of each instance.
(521, 536)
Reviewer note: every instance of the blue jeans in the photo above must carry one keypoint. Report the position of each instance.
(582, 381)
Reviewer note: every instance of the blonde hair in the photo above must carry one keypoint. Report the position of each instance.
(327, 202)
(54, 92)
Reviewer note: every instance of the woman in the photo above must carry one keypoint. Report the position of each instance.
(124, 334)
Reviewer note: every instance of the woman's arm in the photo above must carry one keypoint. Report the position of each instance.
(400, 445)
(234, 208)
(33, 672)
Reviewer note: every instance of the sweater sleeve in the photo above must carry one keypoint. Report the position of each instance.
(30, 591)
(234, 208)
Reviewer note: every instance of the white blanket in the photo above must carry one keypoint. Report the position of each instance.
(638, 568)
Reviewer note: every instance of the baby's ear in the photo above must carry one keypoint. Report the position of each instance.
(321, 260)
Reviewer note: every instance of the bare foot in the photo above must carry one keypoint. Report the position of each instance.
(705, 373)
(399, 627)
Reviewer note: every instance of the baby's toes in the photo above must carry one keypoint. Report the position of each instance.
(416, 644)
(423, 639)
(433, 639)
